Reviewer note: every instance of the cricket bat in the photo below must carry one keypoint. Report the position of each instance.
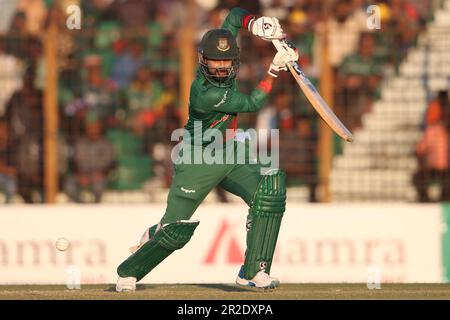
(314, 96)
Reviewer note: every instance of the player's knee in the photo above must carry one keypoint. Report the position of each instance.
(164, 241)
(175, 235)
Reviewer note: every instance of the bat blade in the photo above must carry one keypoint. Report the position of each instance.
(319, 103)
(316, 99)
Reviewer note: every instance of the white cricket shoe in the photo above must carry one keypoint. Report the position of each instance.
(260, 280)
(126, 284)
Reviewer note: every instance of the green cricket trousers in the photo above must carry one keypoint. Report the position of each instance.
(192, 182)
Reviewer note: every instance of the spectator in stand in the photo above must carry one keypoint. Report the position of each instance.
(423, 9)
(99, 94)
(298, 154)
(432, 150)
(11, 69)
(94, 12)
(35, 13)
(18, 25)
(301, 33)
(435, 109)
(133, 14)
(404, 8)
(344, 29)
(90, 95)
(277, 9)
(384, 40)
(143, 96)
(129, 58)
(165, 109)
(158, 146)
(282, 101)
(8, 183)
(213, 21)
(252, 6)
(34, 56)
(403, 27)
(358, 82)
(94, 158)
(17, 33)
(26, 119)
(313, 9)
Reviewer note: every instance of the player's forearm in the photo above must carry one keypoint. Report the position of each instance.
(236, 19)
(259, 95)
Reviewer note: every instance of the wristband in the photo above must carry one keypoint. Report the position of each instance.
(247, 21)
(265, 86)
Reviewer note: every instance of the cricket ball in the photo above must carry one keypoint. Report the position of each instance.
(62, 244)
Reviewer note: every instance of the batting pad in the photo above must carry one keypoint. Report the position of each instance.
(264, 222)
(169, 238)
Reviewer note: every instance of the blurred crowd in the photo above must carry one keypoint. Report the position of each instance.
(433, 151)
(119, 89)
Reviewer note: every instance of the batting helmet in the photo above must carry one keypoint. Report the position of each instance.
(219, 44)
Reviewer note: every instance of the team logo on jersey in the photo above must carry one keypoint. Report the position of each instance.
(223, 44)
(187, 190)
(224, 98)
(223, 119)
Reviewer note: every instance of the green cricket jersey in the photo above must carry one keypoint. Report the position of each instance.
(218, 107)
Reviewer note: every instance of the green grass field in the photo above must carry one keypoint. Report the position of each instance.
(229, 291)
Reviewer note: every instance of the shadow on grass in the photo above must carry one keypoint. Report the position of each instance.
(139, 287)
(225, 287)
(112, 288)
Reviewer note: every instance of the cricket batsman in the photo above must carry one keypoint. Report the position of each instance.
(215, 102)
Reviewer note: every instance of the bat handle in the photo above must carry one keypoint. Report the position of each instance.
(277, 44)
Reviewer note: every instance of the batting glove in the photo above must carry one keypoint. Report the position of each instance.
(281, 59)
(266, 28)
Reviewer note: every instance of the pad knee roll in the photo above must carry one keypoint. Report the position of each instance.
(270, 197)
